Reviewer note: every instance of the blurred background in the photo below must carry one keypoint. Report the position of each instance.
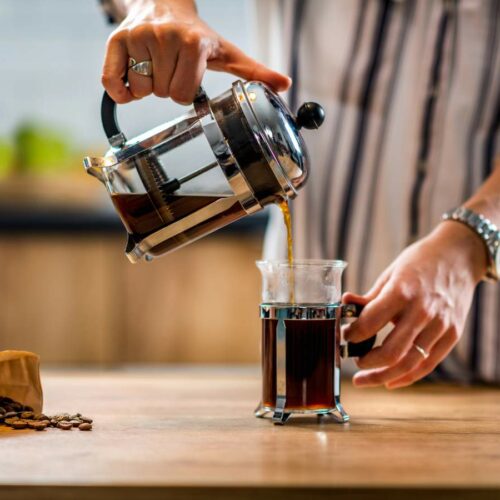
(67, 291)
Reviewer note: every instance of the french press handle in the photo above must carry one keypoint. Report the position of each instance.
(110, 123)
(355, 349)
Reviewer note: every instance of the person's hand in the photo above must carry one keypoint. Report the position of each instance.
(181, 46)
(426, 293)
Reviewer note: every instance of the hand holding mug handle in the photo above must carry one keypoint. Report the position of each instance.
(355, 349)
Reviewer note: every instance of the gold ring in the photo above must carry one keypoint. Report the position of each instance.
(421, 351)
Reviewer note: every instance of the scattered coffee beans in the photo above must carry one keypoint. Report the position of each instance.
(18, 416)
(65, 426)
(19, 424)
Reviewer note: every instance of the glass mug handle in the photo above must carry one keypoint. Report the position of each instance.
(355, 349)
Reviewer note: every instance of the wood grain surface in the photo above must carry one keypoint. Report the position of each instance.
(190, 433)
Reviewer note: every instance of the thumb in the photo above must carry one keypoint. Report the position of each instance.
(233, 60)
(354, 298)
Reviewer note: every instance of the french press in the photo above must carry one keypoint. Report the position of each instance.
(302, 313)
(226, 158)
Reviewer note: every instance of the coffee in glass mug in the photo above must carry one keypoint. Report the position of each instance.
(301, 338)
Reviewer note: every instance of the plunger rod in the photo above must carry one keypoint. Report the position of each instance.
(174, 184)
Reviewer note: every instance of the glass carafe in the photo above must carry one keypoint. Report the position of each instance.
(301, 314)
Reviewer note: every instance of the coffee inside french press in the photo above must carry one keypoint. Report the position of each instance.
(251, 146)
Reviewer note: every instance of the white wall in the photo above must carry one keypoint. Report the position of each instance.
(50, 62)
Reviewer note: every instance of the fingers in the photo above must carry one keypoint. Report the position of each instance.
(354, 298)
(191, 66)
(379, 283)
(409, 362)
(236, 62)
(114, 68)
(376, 314)
(400, 339)
(139, 85)
(440, 350)
(180, 54)
(350, 297)
(165, 54)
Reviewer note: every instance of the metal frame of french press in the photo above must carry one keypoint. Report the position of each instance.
(309, 312)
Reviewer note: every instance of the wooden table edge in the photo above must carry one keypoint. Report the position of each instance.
(52, 492)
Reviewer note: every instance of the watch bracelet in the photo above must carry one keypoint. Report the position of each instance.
(485, 229)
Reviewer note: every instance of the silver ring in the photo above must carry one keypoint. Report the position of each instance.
(421, 351)
(144, 68)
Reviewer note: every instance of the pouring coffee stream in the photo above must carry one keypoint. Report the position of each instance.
(245, 152)
(287, 219)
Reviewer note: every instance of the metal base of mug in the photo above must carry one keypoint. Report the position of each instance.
(281, 414)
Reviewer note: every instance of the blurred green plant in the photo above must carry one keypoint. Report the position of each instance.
(41, 149)
(7, 154)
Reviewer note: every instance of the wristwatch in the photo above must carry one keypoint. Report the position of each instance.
(487, 231)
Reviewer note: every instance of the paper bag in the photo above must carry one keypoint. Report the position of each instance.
(20, 378)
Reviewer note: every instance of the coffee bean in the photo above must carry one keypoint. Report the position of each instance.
(10, 421)
(40, 416)
(7, 400)
(27, 415)
(76, 416)
(19, 424)
(39, 425)
(53, 422)
(10, 414)
(86, 419)
(86, 426)
(2, 410)
(65, 426)
(75, 423)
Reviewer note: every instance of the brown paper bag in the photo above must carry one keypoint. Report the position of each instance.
(20, 378)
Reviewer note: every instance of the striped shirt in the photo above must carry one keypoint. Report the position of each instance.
(411, 92)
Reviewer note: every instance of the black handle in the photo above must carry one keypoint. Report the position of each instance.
(108, 118)
(110, 123)
(356, 349)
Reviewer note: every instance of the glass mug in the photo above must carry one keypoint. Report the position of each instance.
(301, 346)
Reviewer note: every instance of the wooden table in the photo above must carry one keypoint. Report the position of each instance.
(189, 433)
